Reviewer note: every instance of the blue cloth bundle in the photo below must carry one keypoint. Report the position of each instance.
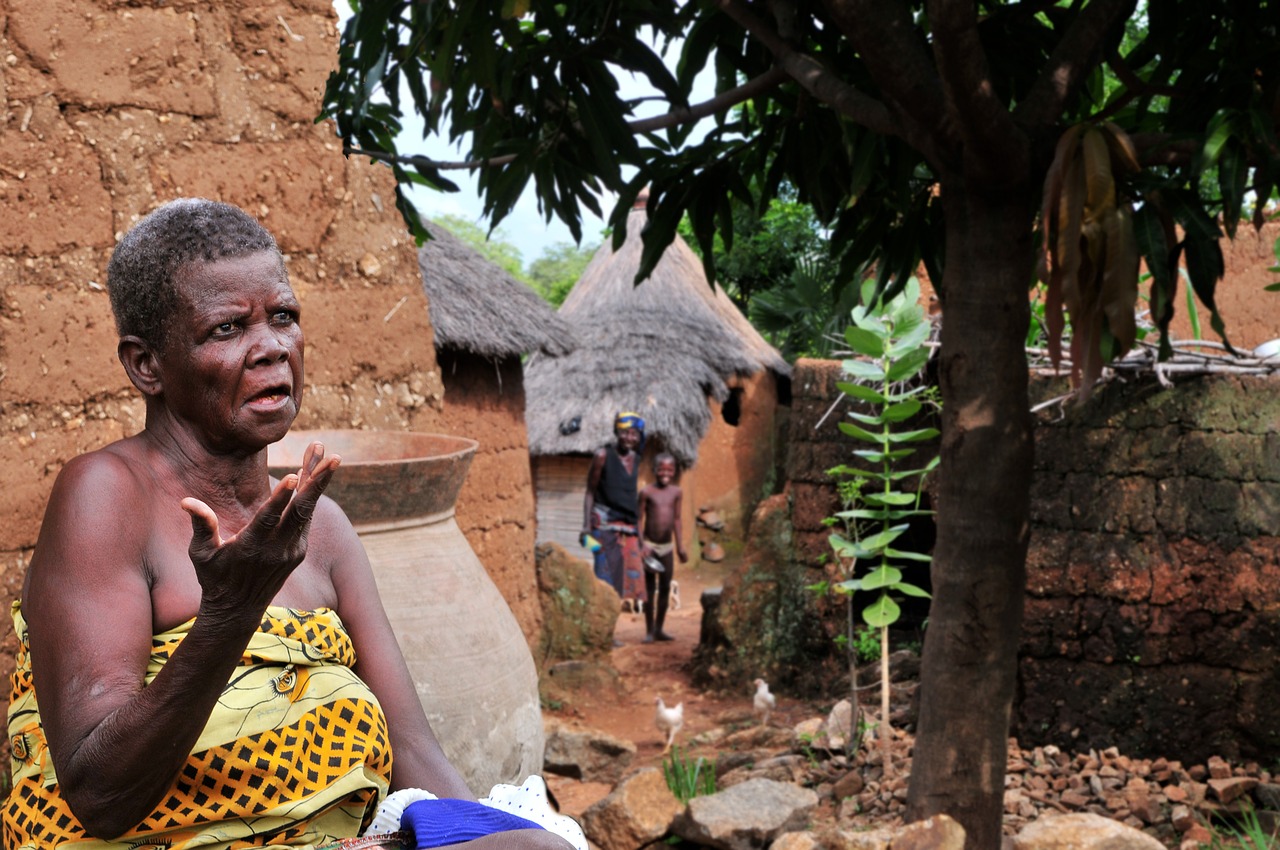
(436, 823)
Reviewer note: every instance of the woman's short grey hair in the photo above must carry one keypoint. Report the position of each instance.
(141, 277)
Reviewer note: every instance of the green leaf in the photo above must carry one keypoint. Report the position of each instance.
(863, 370)
(867, 418)
(864, 341)
(881, 613)
(908, 556)
(880, 457)
(913, 436)
(848, 587)
(854, 431)
(1217, 133)
(912, 590)
(914, 337)
(909, 365)
(881, 577)
(894, 498)
(881, 539)
(860, 392)
(902, 411)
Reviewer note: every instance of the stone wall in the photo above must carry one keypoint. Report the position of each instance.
(109, 109)
(1153, 609)
(814, 445)
(1153, 603)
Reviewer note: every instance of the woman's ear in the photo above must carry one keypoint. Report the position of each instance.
(141, 364)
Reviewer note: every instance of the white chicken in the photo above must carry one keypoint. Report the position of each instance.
(764, 702)
(669, 721)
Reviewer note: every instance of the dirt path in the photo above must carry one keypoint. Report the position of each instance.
(651, 670)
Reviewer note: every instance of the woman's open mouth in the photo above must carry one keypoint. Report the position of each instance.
(270, 398)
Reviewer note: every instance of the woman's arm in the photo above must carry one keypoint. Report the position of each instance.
(117, 745)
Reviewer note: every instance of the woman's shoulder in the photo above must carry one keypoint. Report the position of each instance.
(331, 536)
(107, 475)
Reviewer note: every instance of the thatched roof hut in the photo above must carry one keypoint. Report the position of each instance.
(477, 307)
(485, 321)
(660, 349)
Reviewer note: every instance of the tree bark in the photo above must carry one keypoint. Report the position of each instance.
(979, 566)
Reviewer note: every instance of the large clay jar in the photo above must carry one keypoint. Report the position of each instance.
(474, 672)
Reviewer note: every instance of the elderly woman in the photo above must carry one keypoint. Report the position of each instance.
(213, 663)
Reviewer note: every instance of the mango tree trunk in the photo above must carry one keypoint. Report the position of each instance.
(979, 566)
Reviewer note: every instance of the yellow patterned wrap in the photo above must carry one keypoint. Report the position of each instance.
(295, 754)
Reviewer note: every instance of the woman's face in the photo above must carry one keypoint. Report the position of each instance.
(232, 366)
(628, 439)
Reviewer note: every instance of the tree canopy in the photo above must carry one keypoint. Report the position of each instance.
(920, 131)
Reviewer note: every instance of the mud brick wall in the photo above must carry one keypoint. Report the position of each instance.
(484, 400)
(108, 109)
(1153, 608)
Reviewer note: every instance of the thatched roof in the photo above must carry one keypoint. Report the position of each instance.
(477, 307)
(659, 349)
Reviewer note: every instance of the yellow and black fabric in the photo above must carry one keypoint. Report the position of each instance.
(295, 754)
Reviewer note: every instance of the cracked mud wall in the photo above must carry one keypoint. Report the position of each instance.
(107, 109)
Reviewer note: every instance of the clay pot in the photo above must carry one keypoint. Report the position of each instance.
(474, 672)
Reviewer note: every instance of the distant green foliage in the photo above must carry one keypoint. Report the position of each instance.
(554, 273)
(551, 275)
(494, 246)
(782, 274)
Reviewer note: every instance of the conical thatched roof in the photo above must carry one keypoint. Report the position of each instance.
(477, 307)
(659, 349)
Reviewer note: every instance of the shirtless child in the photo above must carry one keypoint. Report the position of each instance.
(661, 532)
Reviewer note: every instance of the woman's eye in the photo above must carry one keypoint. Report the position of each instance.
(285, 317)
(225, 327)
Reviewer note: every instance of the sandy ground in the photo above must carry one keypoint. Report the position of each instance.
(655, 670)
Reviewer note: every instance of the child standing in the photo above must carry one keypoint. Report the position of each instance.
(661, 533)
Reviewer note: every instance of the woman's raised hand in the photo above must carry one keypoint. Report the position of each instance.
(247, 569)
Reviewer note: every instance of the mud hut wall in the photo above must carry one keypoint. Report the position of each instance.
(735, 462)
(484, 400)
(110, 109)
(559, 482)
(1153, 608)
(1252, 316)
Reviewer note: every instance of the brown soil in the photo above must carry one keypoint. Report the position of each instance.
(652, 670)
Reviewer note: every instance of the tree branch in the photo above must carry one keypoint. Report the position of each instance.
(813, 76)
(1072, 59)
(1164, 149)
(985, 123)
(770, 79)
(428, 162)
(884, 34)
(725, 100)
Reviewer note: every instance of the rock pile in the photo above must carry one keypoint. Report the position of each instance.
(790, 776)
